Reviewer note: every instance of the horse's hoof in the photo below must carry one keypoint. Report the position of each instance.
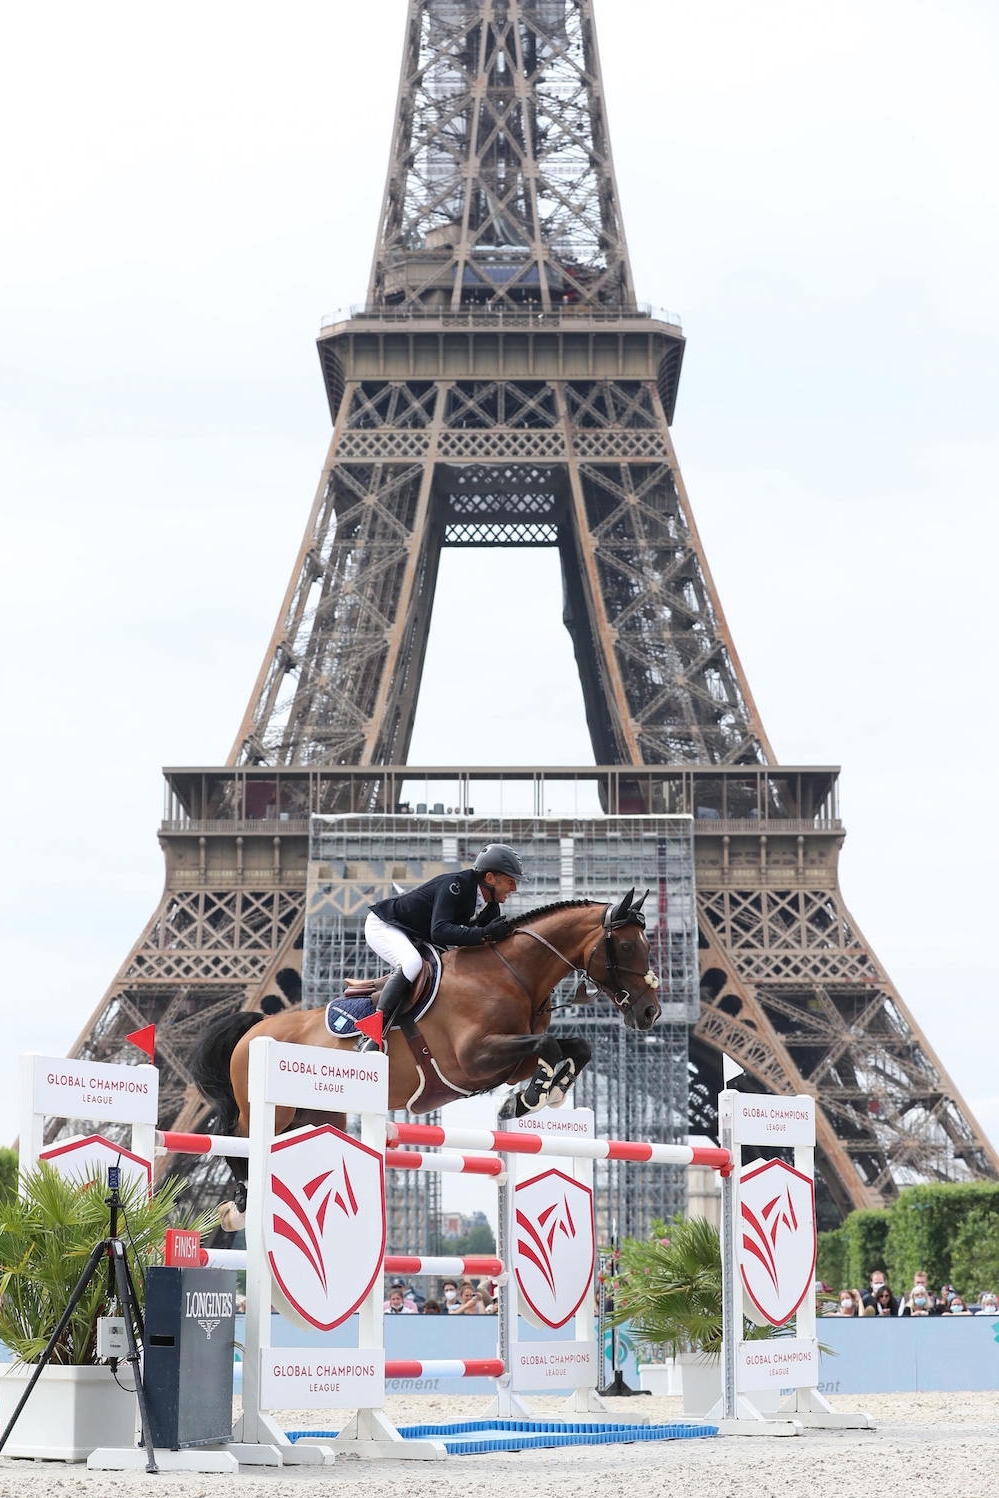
(561, 1084)
(535, 1092)
(231, 1219)
(532, 1098)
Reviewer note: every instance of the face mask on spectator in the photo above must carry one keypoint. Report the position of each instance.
(919, 1300)
(846, 1304)
(450, 1294)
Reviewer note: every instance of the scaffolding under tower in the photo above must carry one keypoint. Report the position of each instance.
(637, 1084)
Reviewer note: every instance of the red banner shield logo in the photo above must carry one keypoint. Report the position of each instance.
(553, 1246)
(85, 1156)
(777, 1240)
(324, 1226)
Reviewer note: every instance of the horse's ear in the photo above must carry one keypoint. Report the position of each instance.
(617, 914)
(639, 903)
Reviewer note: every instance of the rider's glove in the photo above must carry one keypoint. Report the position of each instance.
(496, 930)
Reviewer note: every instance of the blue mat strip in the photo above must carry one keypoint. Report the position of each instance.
(522, 1435)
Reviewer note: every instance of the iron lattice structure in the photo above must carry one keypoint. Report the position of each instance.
(501, 386)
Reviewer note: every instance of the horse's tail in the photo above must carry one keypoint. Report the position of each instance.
(210, 1066)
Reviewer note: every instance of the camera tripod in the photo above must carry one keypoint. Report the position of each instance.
(121, 1287)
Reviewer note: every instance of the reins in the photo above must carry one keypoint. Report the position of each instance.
(618, 994)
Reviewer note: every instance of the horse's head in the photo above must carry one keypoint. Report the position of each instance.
(620, 963)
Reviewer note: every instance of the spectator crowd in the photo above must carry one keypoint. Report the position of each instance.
(880, 1300)
(467, 1298)
(456, 1298)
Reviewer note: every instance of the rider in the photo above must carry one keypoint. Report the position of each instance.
(441, 911)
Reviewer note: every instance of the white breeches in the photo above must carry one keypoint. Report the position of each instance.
(392, 945)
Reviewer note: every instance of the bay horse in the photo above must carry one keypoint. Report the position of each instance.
(486, 1028)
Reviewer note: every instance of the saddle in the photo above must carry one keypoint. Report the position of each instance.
(360, 996)
(426, 980)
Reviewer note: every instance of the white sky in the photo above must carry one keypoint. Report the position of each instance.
(188, 189)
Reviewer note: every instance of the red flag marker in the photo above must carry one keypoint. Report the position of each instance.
(372, 1028)
(145, 1039)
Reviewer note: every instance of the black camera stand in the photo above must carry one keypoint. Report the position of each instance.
(121, 1287)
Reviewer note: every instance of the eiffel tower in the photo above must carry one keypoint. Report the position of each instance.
(502, 386)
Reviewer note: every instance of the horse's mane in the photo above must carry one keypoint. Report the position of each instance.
(531, 915)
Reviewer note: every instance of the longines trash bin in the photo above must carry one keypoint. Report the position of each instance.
(190, 1338)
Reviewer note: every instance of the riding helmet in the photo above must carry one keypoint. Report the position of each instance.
(499, 858)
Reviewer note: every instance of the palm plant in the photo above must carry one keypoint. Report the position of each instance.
(669, 1289)
(46, 1237)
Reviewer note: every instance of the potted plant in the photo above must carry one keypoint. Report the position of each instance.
(669, 1289)
(46, 1237)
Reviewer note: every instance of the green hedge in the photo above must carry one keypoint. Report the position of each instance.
(951, 1231)
(865, 1234)
(930, 1223)
(8, 1174)
(974, 1261)
(830, 1267)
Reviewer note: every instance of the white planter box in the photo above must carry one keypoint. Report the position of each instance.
(660, 1378)
(702, 1387)
(70, 1412)
(702, 1382)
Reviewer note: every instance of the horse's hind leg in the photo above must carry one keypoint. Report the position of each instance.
(232, 1214)
(240, 1169)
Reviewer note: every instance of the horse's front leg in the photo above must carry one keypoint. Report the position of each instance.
(576, 1053)
(494, 1059)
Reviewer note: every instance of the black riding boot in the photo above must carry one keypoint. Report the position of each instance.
(391, 1001)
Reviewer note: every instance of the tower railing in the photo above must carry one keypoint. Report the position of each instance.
(721, 798)
(499, 314)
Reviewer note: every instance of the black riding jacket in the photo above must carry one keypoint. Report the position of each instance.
(441, 911)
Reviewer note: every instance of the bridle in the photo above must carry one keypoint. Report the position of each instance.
(613, 985)
(614, 988)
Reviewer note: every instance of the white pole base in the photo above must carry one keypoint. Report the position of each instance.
(508, 1406)
(135, 1458)
(814, 1410)
(589, 1402)
(806, 1408)
(372, 1436)
(760, 1427)
(255, 1454)
(272, 1447)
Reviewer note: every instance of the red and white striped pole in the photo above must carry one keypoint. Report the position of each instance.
(447, 1368)
(503, 1143)
(171, 1143)
(470, 1165)
(409, 1264)
(638, 1151)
